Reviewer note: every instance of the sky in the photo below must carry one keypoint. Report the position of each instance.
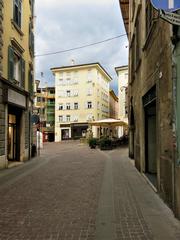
(66, 24)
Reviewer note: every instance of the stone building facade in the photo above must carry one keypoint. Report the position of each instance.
(16, 80)
(152, 139)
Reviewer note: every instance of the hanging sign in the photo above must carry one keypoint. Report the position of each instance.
(166, 5)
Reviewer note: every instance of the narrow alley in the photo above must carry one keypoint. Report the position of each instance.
(72, 192)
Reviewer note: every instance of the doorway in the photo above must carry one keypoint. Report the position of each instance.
(150, 143)
(65, 134)
(12, 138)
(13, 133)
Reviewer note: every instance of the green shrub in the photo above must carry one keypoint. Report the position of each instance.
(105, 144)
(92, 142)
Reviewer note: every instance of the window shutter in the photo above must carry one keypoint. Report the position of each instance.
(23, 75)
(72, 106)
(10, 63)
(31, 85)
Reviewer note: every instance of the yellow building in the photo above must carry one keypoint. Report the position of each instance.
(16, 79)
(81, 95)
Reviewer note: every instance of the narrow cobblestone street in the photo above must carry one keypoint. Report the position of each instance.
(72, 192)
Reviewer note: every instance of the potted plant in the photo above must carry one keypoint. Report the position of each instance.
(92, 142)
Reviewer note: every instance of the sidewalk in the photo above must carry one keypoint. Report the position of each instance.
(128, 207)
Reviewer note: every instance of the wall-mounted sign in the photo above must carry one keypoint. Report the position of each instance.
(172, 18)
(166, 5)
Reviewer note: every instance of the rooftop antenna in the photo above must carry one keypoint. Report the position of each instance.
(72, 62)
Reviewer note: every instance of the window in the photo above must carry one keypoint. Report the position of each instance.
(68, 106)
(76, 77)
(137, 47)
(60, 76)
(75, 105)
(90, 117)
(31, 39)
(68, 93)
(68, 76)
(98, 105)
(16, 68)
(60, 118)
(89, 76)
(32, 6)
(68, 118)
(75, 92)
(150, 14)
(52, 91)
(75, 118)
(89, 104)
(17, 12)
(61, 106)
(89, 92)
(31, 80)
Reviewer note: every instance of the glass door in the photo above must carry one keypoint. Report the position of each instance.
(12, 138)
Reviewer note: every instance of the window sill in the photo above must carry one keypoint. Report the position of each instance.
(17, 27)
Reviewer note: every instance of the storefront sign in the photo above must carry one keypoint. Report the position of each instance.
(16, 98)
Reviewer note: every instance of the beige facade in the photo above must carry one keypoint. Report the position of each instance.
(82, 95)
(122, 73)
(16, 80)
(150, 87)
(113, 105)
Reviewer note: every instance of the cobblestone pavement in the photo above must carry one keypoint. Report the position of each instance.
(74, 193)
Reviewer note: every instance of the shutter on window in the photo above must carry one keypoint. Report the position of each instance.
(10, 64)
(30, 82)
(23, 73)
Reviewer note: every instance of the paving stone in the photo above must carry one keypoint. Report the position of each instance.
(58, 196)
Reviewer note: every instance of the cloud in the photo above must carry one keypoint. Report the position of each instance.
(65, 24)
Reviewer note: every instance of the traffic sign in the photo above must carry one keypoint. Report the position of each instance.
(166, 5)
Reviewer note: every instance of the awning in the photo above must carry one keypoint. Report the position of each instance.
(109, 122)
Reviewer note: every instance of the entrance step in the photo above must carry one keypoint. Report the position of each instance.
(12, 164)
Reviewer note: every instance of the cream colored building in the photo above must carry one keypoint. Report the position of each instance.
(16, 80)
(122, 73)
(113, 105)
(81, 95)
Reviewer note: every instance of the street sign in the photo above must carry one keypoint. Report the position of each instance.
(35, 119)
(170, 17)
(166, 5)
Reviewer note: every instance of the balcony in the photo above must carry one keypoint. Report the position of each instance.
(50, 104)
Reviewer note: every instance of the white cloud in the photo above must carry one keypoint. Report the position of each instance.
(64, 24)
